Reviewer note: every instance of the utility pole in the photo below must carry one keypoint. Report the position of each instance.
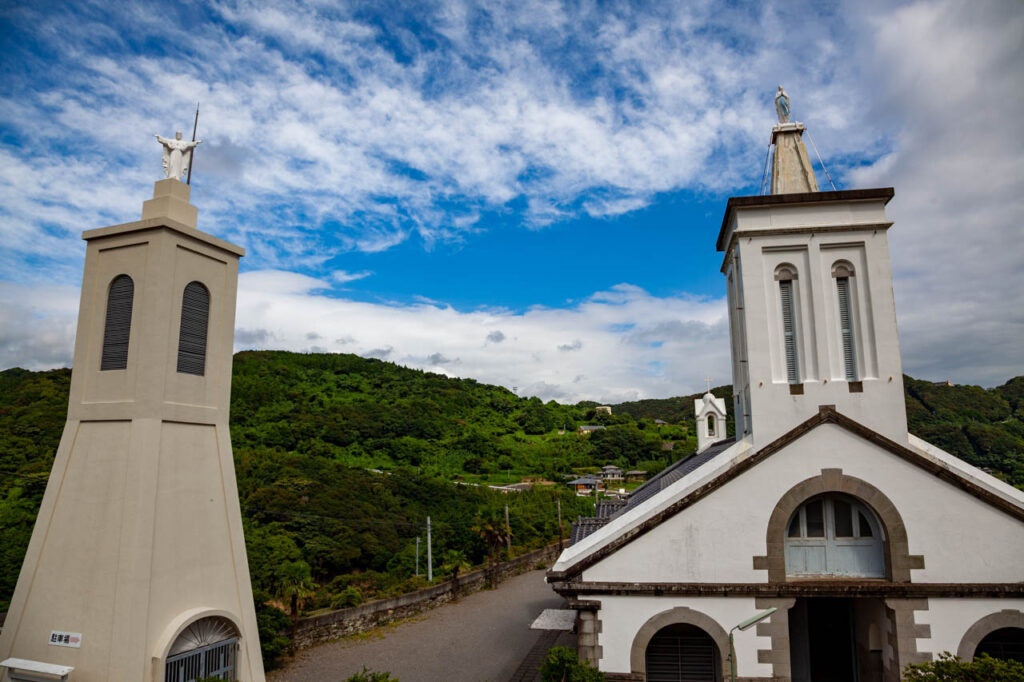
(417, 555)
(508, 531)
(430, 562)
(559, 501)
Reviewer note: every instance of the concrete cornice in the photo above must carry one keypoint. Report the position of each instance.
(857, 587)
(758, 201)
(164, 223)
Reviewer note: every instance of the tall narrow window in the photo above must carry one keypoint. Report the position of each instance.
(842, 271)
(195, 316)
(786, 276)
(118, 325)
(846, 327)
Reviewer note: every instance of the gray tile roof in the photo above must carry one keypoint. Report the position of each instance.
(608, 510)
(676, 471)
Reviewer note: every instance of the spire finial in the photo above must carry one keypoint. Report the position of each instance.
(707, 380)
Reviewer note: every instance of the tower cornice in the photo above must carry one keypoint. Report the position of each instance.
(773, 200)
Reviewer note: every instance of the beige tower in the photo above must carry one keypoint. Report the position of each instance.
(137, 569)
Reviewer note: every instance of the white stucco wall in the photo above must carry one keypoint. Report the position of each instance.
(951, 618)
(962, 538)
(622, 617)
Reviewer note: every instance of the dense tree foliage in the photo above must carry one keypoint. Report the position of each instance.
(340, 460)
(983, 427)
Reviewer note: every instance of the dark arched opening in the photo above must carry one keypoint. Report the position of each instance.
(1005, 643)
(682, 652)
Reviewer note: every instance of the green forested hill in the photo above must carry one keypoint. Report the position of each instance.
(340, 459)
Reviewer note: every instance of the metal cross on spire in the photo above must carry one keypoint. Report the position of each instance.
(707, 380)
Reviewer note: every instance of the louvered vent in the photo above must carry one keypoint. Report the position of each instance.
(846, 328)
(118, 326)
(195, 316)
(682, 653)
(789, 330)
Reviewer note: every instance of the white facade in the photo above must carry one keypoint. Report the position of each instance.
(876, 548)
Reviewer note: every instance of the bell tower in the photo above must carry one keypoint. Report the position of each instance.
(811, 312)
(137, 568)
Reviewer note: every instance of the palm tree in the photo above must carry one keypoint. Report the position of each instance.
(295, 584)
(490, 525)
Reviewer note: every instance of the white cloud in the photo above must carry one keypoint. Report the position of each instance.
(624, 344)
(948, 78)
(321, 139)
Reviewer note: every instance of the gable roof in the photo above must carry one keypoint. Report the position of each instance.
(627, 527)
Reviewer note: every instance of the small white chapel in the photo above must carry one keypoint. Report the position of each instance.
(824, 541)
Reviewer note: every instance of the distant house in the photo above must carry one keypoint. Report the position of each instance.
(611, 473)
(586, 485)
(588, 429)
(603, 409)
(660, 422)
(636, 475)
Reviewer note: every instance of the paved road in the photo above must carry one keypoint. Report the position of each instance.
(480, 638)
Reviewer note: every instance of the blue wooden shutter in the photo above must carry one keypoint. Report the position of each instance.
(118, 325)
(789, 330)
(846, 328)
(195, 317)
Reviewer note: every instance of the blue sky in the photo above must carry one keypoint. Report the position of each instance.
(526, 193)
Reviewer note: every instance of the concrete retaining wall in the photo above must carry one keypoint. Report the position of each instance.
(327, 626)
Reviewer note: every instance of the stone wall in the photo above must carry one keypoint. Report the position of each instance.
(350, 621)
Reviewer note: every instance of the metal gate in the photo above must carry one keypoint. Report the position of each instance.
(682, 653)
(216, 660)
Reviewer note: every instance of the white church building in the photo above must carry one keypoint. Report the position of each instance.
(875, 548)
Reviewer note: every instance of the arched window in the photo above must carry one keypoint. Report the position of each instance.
(786, 276)
(711, 425)
(118, 325)
(682, 652)
(206, 648)
(834, 535)
(842, 272)
(195, 317)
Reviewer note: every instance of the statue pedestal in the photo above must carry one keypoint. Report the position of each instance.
(171, 200)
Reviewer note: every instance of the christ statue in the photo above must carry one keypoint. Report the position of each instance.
(177, 155)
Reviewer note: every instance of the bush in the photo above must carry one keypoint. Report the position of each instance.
(350, 596)
(950, 668)
(370, 676)
(562, 665)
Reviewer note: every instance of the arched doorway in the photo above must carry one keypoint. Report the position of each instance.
(834, 535)
(206, 648)
(682, 652)
(1005, 643)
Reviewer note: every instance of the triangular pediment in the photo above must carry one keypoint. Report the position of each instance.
(731, 463)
